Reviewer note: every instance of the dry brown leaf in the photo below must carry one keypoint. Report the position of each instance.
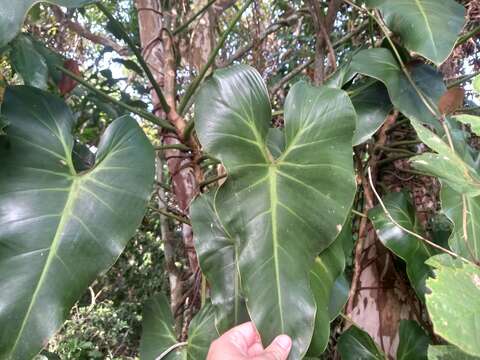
(451, 101)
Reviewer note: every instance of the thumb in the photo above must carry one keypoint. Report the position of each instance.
(279, 348)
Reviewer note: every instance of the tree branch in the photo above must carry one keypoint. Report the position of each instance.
(197, 81)
(87, 34)
(271, 29)
(144, 114)
(123, 34)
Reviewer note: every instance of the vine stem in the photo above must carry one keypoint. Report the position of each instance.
(385, 210)
(124, 35)
(203, 72)
(173, 216)
(144, 114)
(170, 349)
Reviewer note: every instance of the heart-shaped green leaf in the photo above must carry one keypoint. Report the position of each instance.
(13, 14)
(427, 27)
(380, 64)
(409, 248)
(280, 211)
(59, 228)
(454, 302)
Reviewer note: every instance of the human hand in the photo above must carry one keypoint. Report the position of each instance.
(244, 343)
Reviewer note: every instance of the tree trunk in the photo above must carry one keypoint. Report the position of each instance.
(158, 52)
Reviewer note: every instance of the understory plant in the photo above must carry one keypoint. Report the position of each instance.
(296, 226)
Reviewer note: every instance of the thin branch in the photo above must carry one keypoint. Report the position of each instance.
(301, 67)
(269, 30)
(295, 71)
(461, 79)
(144, 114)
(124, 35)
(197, 81)
(86, 33)
(173, 216)
(173, 146)
(389, 216)
(192, 18)
(212, 180)
(465, 37)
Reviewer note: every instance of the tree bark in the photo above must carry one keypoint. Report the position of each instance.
(158, 52)
(379, 297)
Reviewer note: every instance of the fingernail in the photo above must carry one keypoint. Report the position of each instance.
(284, 341)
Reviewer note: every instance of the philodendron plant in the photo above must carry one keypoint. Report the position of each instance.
(274, 237)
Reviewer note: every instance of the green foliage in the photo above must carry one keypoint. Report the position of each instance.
(159, 336)
(414, 341)
(406, 246)
(436, 23)
(100, 331)
(356, 344)
(217, 251)
(68, 226)
(11, 21)
(232, 117)
(270, 238)
(326, 283)
(113, 325)
(448, 352)
(454, 302)
(29, 63)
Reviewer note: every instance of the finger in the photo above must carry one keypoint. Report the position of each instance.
(255, 349)
(243, 336)
(279, 348)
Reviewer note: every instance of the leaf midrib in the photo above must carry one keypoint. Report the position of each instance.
(51, 255)
(427, 23)
(273, 205)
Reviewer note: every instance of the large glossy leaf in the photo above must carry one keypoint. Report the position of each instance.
(448, 352)
(454, 167)
(380, 64)
(460, 186)
(409, 248)
(464, 212)
(13, 13)
(454, 302)
(31, 66)
(217, 255)
(158, 335)
(413, 343)
(372, 105)
(427, 27)
(327, 270)
(281, 211)
(356, 344)
(58, 228)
